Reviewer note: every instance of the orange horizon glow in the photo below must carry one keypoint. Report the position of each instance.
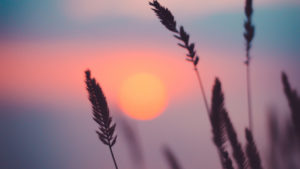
(60, 70)
(143, 96)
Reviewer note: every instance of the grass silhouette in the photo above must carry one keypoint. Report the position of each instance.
(167, 19)
(223, 131)
(294, 103)
(101, 114)
(222, 127)
(218, 124)
(249, 35)
(237, 150)
(252, 152)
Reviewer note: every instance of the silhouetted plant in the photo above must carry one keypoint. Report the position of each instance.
(294, 103)
(167, 19)
(101, 114)
(251, 151)
(284, 145)
(237, 149)
(218, 125)
(249, 35)
(285, 141)
(274, 141)
(171, 158)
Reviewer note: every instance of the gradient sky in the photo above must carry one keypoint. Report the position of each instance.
(45, 46)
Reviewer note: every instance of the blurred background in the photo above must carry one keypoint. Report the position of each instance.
(45, 47)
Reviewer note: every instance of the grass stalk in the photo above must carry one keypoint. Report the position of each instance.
(106, 132)
(167, 19)
(113, 157)
(202, 89)
(249, 100)
(249, 35)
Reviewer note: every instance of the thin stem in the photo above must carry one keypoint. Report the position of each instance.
(202, 91)
(249, 96)
(113, 157)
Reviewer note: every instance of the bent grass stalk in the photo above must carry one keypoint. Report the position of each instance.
(167, 19)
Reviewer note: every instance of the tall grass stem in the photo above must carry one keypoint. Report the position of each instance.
(249, 99)
(113, 157)
(202, 90)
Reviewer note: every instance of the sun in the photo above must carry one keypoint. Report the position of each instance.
(143, 96)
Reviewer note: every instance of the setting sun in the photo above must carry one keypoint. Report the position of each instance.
(143, 96)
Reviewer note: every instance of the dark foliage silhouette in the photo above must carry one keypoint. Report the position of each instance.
(284, 139)
(167, 19)
(249, 29)
(222, 127)
(248, 35)
(237, 149)
(171, 158)
(284, 150)
(101, 113)
(218, 125)
(294, 103)
(251, 151)
(274, 141)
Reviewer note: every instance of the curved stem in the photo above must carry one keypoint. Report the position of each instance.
(202, 91)
(113, 157)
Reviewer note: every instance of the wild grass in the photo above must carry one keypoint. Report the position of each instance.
(222, 127)
(167, 19)
(285, 141)
(106, 132)
(294, 103)
(218, 125)
(223, 131)
(249, 35)
(237, 150)
(284, 145)
(252, 152)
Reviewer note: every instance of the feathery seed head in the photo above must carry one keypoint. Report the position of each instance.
(100, 111)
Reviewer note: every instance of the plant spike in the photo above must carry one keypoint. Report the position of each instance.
(167, 19)
(101, 114)
(249, 35)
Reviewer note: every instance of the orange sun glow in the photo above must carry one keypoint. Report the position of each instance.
(143, 96)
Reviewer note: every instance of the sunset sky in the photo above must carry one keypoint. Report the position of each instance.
(46, 45)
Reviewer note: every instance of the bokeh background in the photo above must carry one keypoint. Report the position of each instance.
(45, 46)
